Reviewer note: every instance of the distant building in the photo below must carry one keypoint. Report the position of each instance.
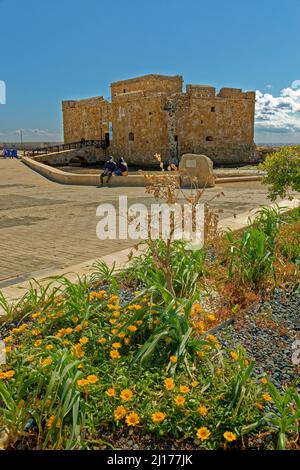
(151, 114)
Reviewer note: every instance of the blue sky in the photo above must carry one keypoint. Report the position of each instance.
(65, 49)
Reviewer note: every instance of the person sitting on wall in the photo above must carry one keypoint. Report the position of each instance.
(108, 169)
(122, 168)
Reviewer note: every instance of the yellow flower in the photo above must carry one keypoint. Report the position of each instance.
(75, 319)
(184, 389)
(47, 362)
(92, 379)
(116, 314)
(114, 354)
(203, 434)
(229, 436)
(37, 343)
(85, 323)
(234, 355)
(50, 421)
(211, 317)
(202, 410)
(200, 354)
(120, 335)
(139, 322)
(8, 339)
(264, 381)
(126, 394)
(179, 400)
(35, 332)
(7, 349)
(78, 328)
(132, 419)
(102, 340)
(112, 321)
(82, 382)
(111, 392)
(207, 347)
(132, 328)
(126, 341)
(49, 347)
(116, 345)
(35, 315)
(158, 417)
(120, 412)
(267, 397)
(68, 331)
(212, 338)
(169, 384)
(79, 351)
(41, 321)
(84, 340)
(194, 383)
(173, 359)
(30, 358)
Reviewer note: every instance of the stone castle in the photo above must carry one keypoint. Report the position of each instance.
(151, 114)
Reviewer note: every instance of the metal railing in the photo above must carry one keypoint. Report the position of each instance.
(69, 146)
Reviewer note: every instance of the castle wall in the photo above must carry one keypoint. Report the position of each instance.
(87, 119)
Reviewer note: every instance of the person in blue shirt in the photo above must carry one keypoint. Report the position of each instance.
(108, 169)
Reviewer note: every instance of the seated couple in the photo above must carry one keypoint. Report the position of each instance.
(111, 167)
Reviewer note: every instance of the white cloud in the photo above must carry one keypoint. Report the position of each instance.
(269, 86)
(280, 114)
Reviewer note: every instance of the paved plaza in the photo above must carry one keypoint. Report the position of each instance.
(46, 226)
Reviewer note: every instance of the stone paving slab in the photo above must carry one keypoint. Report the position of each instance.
(45, 226)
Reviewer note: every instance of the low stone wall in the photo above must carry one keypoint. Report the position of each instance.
(63, 177)
(85, 155)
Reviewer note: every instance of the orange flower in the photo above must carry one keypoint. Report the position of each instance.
(78, 328)
(37, 343)
(92, 379)
(179, 400)
(82, 382)
(202, 410)
(203, 434)
(116, 345)
(126, 394)
(79, 351)
(173, 359)
(169, 384)
(234, 355)
(229, 436)
(49, 347)
(132, 419)
(120, 412)
(47, 362)
(102, 340)
(111, 392)
(84, 340)
(114, 354)
(158, 417)
(184, 389)
(132, 328)
(264, 381)
(267, 397)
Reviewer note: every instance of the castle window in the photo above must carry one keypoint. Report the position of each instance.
(175, 138)
(124, 90)
(209, 138)
(201, 122)
(150, 113)
(131, 136)
(213, 109)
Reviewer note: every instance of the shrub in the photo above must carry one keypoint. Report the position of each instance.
(283, 172)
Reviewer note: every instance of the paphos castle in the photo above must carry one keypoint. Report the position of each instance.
(152, 114)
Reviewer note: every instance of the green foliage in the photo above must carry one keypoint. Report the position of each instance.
(285, 419)
(251, 257)
(187, 266)
(283, 172)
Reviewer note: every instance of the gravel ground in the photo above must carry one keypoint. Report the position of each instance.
(267, 332)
